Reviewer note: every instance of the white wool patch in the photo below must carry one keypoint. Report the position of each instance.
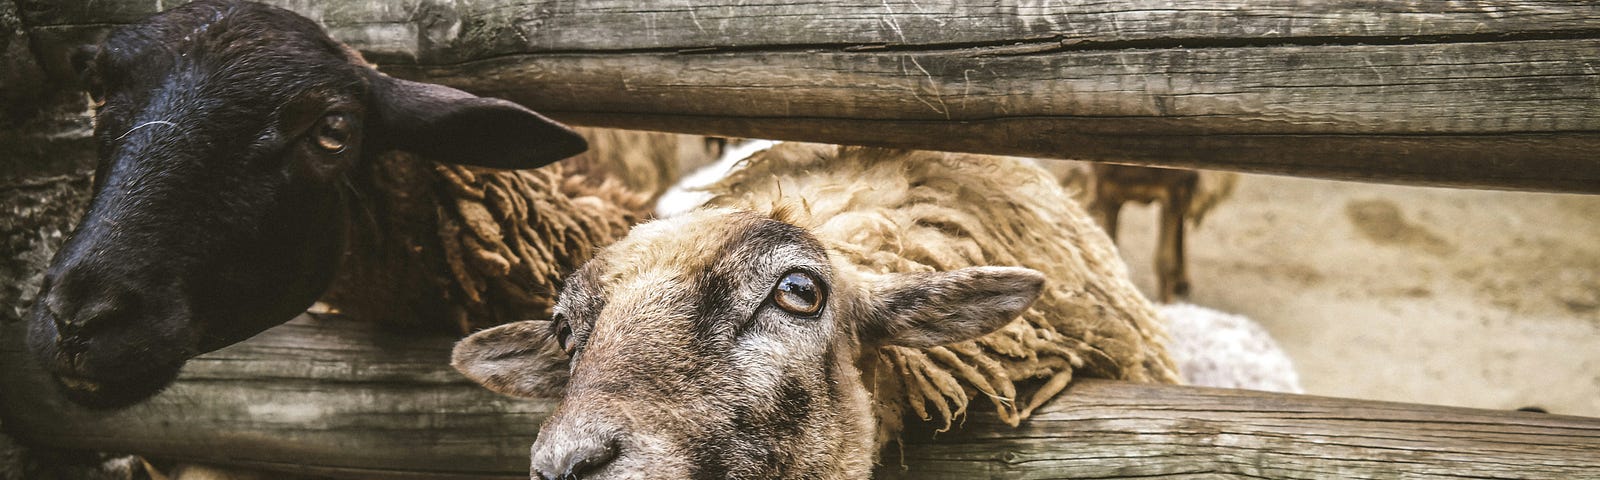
(1217, 349)
(689, 193)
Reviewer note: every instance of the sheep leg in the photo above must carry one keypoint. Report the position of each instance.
(1170, 270)
(1106, 210)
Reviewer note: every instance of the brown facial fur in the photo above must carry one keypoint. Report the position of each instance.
(698, 375)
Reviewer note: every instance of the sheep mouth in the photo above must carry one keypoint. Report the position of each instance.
(124, 391)
(78, 384)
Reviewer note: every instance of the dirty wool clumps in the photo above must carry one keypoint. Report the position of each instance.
(436, 245)
(899, 211)
(1223, 350)
(644, 162)
(474, 247)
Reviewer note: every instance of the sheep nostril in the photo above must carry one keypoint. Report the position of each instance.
(574, 459)
(72, 344)
(63, 328)
(97, 312)
(69, 335)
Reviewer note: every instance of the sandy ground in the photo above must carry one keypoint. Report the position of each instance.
(1456, 297)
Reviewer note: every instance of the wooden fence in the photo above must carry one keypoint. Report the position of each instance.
(1486, 93)
(337, 397)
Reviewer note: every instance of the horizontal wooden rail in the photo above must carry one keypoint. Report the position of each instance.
(337, 397)
(1489, 93)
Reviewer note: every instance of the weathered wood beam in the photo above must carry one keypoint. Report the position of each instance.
(1101, 429)
(1488, 93)
(338, 397)
(335, 395)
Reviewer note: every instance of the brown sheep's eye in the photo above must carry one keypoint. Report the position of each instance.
(798, 293)
(333, 132)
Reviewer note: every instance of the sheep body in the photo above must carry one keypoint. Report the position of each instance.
(1184, 196)
(788, 327)
(1211, 348)
(689, 192)
(911, 211)
(480, 247)
(1223, 350)
(645, 162)
(471, 247)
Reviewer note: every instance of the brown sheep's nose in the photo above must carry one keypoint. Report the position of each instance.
(572, 454)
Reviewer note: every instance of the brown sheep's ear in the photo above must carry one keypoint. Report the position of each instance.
(517, 359)
(452, 126)
(922, 310)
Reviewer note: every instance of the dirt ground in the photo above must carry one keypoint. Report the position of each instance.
(1455, 297)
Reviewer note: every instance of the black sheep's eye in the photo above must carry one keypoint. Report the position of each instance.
(798, 293)
(563, 333)
(332, 134)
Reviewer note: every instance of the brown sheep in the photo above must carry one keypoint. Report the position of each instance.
(785, 330)
(1182, 194)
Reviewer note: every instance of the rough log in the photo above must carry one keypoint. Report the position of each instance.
(337, 397)
(1486, 93)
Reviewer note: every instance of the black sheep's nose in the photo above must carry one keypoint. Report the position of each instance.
(80, 308)
(573, 458)
(72, 343)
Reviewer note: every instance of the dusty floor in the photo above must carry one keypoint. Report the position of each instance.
(1455, 297)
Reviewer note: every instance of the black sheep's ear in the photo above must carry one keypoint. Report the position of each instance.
(82, 62)
(452, 126)
(82, 57)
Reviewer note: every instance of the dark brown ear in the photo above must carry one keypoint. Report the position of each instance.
(452, 126)
(922, 310)
(517, 359)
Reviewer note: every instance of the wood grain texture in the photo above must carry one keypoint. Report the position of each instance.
(1486, 93)
(435, 32)
(337, 395)
(21, 80)
(46, 165)
(1100, 429)
(340, 398)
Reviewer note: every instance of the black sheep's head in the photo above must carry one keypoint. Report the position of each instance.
(225, 132)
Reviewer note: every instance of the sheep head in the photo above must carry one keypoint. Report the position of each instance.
(226, 131)
(723, 344)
